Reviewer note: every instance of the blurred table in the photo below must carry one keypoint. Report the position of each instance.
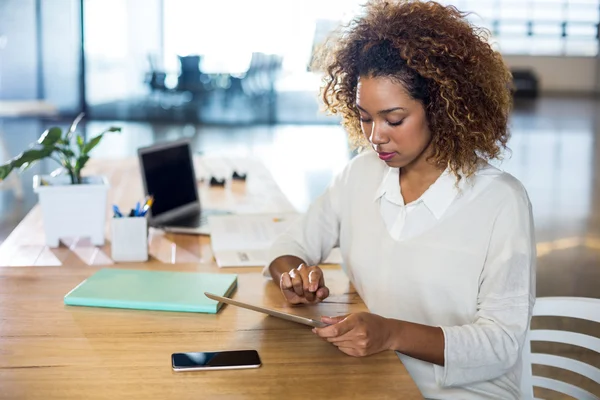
(26, 108)
(25, 246)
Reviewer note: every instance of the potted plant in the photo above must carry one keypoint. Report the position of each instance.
(72, 204)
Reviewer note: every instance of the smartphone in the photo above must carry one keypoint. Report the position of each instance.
(210, 360)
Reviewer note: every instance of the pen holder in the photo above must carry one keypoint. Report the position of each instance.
(129, 239)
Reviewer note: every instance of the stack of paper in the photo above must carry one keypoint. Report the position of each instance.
(244, 240)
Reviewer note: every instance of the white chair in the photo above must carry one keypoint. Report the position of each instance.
(573, 307)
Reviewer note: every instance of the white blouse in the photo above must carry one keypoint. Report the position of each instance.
(461, 258)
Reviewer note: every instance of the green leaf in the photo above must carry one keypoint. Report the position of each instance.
(80, 142)
(81, 163)
(66, 151)
(74, 127)
(94, 141)
(27, 165)
(24, 160)
(5, 169)
(91, 144)
(50, 136)
(31, 155)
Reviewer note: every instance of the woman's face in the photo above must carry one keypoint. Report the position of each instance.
(394, 123)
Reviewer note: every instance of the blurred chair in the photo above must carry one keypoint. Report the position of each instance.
(257, 84)
(570, 307)
(191, 78)
(155, 79)
(260, 77)
(263, 72)
(525, 83)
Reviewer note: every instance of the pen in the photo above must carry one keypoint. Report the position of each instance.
(147, 205)
(117, 213)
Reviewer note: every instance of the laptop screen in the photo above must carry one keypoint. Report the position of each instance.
(170, 178)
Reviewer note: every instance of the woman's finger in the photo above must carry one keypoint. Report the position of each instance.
(348, 338)
(315, 279)
(297, 283)
(333, 320)
(286, 281)
(335, 330)
(350, 351)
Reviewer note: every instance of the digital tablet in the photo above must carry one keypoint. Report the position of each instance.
(268, 311)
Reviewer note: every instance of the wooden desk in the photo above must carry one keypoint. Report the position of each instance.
(52, 351)
(25, 246)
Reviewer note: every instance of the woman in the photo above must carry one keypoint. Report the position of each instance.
(438, 243)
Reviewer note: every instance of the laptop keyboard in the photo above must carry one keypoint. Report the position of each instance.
(196, 220)
(191, 221)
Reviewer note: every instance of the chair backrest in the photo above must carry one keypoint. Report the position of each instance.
(572, 307)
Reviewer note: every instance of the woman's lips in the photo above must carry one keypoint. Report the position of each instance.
(386, 156)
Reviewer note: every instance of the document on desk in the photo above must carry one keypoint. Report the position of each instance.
(244, 240)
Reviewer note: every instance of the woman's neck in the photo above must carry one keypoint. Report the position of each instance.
(421, 168)
(417, 177)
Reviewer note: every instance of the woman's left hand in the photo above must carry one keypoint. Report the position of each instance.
(358, 335)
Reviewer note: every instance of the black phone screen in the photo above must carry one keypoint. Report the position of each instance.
(218, 359)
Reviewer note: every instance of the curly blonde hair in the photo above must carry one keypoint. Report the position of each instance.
(441, 60)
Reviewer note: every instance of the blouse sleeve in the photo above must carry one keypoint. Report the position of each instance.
(491, 345)
(314, 234)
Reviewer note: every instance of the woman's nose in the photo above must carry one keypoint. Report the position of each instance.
(377, 135)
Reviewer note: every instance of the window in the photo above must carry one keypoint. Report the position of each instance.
(538, 27)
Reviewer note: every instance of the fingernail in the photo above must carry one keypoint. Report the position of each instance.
(314, 330)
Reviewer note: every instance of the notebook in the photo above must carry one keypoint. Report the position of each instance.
(152, 290)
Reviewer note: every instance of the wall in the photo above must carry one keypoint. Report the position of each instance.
(117, 51)
(18, 50)
(141, 20)
(22, 76)
(60, 53)
(561, 74)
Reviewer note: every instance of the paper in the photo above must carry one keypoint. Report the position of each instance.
(244, 240)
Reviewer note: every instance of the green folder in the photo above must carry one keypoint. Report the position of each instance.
(152, 290)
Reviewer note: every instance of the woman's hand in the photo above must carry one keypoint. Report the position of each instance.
(358, 335)
(304, 285)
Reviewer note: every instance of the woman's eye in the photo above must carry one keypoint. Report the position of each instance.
(366, 120)
(396, 123)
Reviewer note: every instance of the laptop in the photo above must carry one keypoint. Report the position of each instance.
(168, 175)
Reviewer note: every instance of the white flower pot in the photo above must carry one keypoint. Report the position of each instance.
(72, 210)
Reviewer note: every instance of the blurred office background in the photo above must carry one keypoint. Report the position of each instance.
(244, 62)
(234, 77)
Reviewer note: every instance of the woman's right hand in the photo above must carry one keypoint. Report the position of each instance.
(304, 285)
